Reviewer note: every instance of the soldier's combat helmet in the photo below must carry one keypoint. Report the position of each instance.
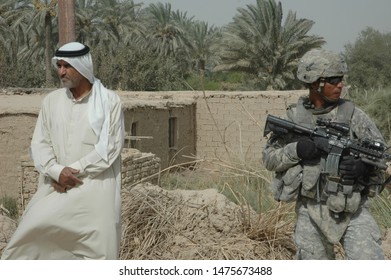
(319, 63)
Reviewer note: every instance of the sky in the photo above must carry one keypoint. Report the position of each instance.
(339, 22)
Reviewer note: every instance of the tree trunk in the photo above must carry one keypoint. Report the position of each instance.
(48, 50)
(66, 21)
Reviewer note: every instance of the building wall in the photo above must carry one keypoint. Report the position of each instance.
(230, 125)
(151, 127)
(16, 131)
(226, 125)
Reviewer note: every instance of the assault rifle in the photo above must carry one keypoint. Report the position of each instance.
(332, 139)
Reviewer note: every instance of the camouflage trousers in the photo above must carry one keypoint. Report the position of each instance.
(360, 241)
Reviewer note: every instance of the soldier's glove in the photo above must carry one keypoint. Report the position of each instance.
(306, 149)
(352, 168)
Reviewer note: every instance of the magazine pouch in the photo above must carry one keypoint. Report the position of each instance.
(285, 186)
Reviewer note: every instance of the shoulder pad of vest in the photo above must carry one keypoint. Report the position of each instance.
(291, 111)
(291, 106)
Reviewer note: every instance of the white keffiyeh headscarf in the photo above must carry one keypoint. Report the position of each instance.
(78, 55)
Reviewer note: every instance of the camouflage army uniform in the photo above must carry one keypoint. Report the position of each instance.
(325, 218)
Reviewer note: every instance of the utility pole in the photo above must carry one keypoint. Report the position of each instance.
(66, 21)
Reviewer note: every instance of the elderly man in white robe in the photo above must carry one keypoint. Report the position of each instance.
(76, 147)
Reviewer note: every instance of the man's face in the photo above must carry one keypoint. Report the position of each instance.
(68, 75)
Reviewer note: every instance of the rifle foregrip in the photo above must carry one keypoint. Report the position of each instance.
(378, 164)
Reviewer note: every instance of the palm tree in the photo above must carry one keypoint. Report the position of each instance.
(32, 22)
(88, 24)
(119, 17)
(257, 42)
(15, 17)
(201, 41)
(106, 23)
(45, 13)
(164, 34)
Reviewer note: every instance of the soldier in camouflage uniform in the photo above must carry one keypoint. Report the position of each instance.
(328, 213)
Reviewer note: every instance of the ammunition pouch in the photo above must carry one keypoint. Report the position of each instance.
(342, 198)
(285, 186)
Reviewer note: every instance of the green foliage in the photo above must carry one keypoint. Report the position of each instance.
(194, 82)
(21, 74)
(156, 48)
(136, 69)
(217, 81)
(369, 60)
(11, 205)
(164, 32)
(153, 47)
(376, 103)
(257, 42)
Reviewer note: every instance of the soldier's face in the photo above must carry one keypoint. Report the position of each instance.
(332, 89)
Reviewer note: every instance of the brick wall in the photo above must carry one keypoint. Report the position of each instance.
(139, 167)
(230, 125)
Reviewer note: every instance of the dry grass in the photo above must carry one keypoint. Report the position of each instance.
(275, 229)
(148, 220)
(162, 224)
